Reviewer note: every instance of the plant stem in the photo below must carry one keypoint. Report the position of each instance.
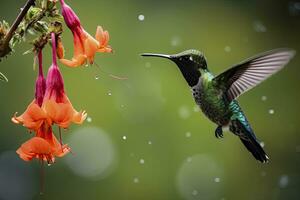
(5, 49)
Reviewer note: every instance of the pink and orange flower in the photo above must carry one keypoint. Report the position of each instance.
(51, 106)
(85, 46)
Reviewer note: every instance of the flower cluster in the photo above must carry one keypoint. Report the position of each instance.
(85, 46)
(51, 106)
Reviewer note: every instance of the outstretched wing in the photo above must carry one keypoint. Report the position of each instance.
(246, 75)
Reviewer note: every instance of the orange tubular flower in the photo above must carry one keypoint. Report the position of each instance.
(56, 103)
(34, 115)
(44, 146)
(85, 46)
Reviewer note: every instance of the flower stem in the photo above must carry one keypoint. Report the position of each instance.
(53, 40)
(4, 48)
(40, 58)
(42, 178)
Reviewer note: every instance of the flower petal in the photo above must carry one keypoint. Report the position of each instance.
(32, 118)
(36, 147)
(63, 114)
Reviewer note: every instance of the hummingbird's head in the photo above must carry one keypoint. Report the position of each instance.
(190, 62)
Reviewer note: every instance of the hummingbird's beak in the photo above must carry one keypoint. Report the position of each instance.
(157, 55)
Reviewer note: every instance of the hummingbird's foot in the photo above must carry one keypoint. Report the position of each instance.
(219, 132)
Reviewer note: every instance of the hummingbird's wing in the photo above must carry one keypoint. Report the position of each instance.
(249, 73)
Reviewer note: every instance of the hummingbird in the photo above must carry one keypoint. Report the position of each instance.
(217, 95)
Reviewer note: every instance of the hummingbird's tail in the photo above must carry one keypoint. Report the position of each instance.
(255, 148)
(249, 140)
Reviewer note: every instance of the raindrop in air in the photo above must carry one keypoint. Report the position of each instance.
(96, 77)
(149, 142)
(227, 49)
(109, 93)
(195, 192)
(259, 27)
(124, 137)
(175, 41)
(141, 17)
(188, 134)
(184, 112)
(283, 181)
(271, 111)
(264, 98)
(136, 180)
(217, 180)
(142, 161)
(89, 119)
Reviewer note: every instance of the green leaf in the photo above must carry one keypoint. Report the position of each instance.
(16, 39)
(3, 77)
(32, 13)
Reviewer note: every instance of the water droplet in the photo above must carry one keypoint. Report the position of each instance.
(259, 27)
(109, 93)
(227, 49)
(97, 77)
(142, 161)
(188, 134)
(184, 112)
(194, 192)
(149, 142)
(217, 180)
(86, 65)
(189, 159)
(49, 164)
(124, 137)
(264, 98)
(175, 41)
(89, 119)
(271, 111)
(136, 180)
(283, 181)
(262, 144)
(141, 17)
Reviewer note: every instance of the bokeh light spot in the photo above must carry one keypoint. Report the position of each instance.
(194, 178)
(94, 153)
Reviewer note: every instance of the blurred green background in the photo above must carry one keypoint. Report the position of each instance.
(144, 138)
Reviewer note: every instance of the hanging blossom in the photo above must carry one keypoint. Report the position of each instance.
(56, 103)
(44, 145)
(50, 106)
(85, 46)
